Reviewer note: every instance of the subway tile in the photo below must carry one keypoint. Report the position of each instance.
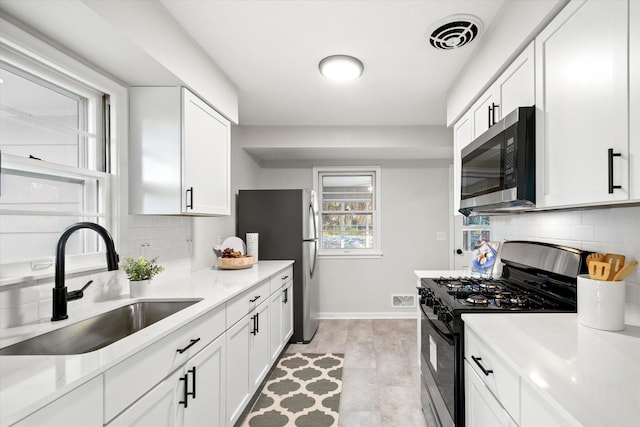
(583, 232)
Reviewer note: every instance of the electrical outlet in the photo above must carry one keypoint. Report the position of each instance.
(220, 240)
(144, 249)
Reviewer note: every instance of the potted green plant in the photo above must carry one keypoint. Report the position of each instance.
(140, 271)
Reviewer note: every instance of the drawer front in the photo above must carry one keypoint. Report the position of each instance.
(246, 301)
(130, 379)
(282, 278)
(503, 381)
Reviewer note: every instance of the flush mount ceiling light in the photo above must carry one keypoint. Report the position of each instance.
(454, 32)
(341, 68)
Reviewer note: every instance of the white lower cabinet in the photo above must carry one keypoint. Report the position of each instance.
(281, 319)
(287, 312)
(237, 373)
(482, 409)
(537, 412)
(81, 407)
(191, 394)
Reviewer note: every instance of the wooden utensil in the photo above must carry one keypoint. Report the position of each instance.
(594, 257)
(599, 270)
(616, 261)
(625, 271)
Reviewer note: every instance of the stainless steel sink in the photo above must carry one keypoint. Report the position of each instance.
(98, 331)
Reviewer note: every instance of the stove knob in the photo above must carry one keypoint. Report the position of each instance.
(429, 300)
(436, 308)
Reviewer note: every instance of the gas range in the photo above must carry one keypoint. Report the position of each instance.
(536, 277)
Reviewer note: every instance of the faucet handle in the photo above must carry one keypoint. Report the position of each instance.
(78, 294)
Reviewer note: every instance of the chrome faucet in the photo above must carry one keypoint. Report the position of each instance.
(60, 294)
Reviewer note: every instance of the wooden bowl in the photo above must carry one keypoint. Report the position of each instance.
(236, 263)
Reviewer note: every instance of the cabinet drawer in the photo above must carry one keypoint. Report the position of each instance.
(129, 380)
(282, 278)
(246, 301)
(503, 381)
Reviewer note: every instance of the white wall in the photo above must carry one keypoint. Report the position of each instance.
(611, 230)
(414, 207)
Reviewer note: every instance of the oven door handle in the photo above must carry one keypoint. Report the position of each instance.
(447, 337)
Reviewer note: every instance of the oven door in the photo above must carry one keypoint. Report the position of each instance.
(437, 366)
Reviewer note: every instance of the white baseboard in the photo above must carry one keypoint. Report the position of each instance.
(370, 315)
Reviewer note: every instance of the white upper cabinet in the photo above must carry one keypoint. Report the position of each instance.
(179, 154)
(582, 105)
(483, 113)
(462, 136)
(516, 86)
(634, 101)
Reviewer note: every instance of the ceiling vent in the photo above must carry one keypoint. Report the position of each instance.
(454, 32)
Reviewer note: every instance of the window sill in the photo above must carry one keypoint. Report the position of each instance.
(373, 255)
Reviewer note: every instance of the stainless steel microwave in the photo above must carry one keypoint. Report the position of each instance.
(499, 167)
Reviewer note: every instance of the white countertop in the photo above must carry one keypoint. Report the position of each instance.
(593, 376)
(30, 382)
(420, 274)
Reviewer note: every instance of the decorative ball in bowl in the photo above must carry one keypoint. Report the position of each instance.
(234, 260)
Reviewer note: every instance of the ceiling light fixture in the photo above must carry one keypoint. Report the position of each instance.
(341, 68)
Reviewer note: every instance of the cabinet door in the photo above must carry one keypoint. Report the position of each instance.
(81, 407)
(481, 407)
(276, 339)
(581, 97)
(516, 86)
(634, 102)
(481, 115)
(462, 136)
(208, 381)
(206, 158)
(287, 312)
(237, 373)
(159, 407)
(536, 412)
(260, 359)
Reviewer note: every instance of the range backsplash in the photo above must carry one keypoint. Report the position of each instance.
(612, 230)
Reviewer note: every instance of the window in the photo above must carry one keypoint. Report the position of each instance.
(54, 161)
(349, 204)
(475, 230)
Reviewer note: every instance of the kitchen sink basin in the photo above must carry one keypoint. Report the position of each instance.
(98, 331)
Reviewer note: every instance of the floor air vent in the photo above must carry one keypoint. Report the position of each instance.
(398, 301)
(454, 31)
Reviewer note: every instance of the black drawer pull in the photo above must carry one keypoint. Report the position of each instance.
(256, 298)
(182, 350)
(484, 370)
(610, 156)
(285, 277)
(189, 198)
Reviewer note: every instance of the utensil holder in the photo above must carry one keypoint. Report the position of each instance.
(601, 303)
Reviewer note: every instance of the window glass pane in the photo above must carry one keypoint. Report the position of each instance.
(347, 231)
(473, 238)
(30, 237)
(44, 121)
(27, 191)
(477, 220)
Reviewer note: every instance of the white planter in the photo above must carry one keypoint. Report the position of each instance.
(139, 288)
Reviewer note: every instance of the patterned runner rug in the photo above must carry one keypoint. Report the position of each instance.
(303, 390)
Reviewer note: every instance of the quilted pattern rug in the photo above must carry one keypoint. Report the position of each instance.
(303, 390)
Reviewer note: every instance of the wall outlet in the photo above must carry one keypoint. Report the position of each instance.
(220, 240)
(144, 249)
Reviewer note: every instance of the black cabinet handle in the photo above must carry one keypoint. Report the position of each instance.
(254, 330)
(185, 393)
(193, 387)
(610, 156)
(489, 115)
(257, 323)
(182, 350)
(484, 370)
(493, 113)
(190, 198)
(285, 295)
(256, 298)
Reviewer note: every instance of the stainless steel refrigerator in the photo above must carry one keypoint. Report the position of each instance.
(287, 223)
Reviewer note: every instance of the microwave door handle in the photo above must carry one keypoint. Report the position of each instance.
(447, 337)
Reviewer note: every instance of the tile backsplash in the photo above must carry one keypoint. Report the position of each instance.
(610, 230)
(167, 237)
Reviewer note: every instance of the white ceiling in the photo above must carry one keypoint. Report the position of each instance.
(271, 50)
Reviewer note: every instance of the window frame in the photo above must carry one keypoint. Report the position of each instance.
(376, 172)
(19, 48)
